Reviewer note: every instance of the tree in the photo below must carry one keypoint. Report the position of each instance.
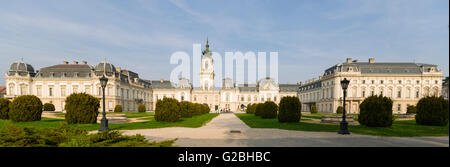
(81, 108)
(432, 111)
(376, 111)
(290, 109)
(25, 108)
(167, 110)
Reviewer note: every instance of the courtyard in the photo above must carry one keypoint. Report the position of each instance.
(227, 130)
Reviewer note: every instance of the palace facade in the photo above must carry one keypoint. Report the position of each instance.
(404, 83)
(54, 83)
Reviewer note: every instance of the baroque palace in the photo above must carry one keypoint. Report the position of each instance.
(404, 83)
(54, 83)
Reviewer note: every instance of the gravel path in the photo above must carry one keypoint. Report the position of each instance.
(223, 131)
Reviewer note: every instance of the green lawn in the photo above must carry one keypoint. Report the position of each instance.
(194, 122)
(406, 128)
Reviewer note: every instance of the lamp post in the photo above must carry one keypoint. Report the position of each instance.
(104, 121)
(344, 124)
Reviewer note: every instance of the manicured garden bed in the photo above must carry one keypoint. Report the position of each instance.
(407, 128)
(195, 121)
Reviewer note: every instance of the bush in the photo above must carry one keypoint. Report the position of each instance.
(259, 109)
(4, 108)
(340, 110)
(432, 111)
(290, 109)
(376, 111)
(81, 108)
(251, 109)
(185, 108)
(25, 108)
(118, 108)
(49, 107)
(167, 110)
(141, 108)
(204, 109)
(65, 136)
(270, 110)
(313, 109)
(411, 110)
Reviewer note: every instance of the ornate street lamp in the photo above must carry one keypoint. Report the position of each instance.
(344, 125)
(104, 121)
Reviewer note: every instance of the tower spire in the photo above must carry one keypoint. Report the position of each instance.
(207, 43)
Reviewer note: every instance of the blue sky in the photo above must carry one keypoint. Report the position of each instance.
(309, 35)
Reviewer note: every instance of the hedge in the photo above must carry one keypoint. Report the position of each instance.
(167, 110)
(49, 107)
(313, 109)
(259, 109)
(118, 108)
(432, 111)
(4, 108)
(340, 110)
(290, 109)
(185, 109)
(141, 108)
(25, 108)
(81, 108)
(411, 110)
(270, 110)
(251, 109)
(376, 111)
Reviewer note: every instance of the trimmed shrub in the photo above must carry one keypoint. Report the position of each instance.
(66, 136)
(313, 109)
(25, 108)
(204, 109)
(49, 107)
(185, 108)
(81, 108)
(270, 110)
(290, 109)
(259, 109)
(432, 111)
(167, 110)
(4, 108)
(141, 108)
(118, 108)
(411, 110)
(376, 111)
(251, 109)
(340, 110)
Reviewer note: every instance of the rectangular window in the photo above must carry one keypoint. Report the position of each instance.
(417, 94)
(38, 91)
(382, 81)
(399, 107)
(363, 93)
(364, 81)
(50, 91)
(372, 93)
(399, 94)
(63, 91)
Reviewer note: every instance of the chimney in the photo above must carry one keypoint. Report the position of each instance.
(371, 60)
(65, 62)
(349, 60)
(162, 80)
(84, 62)
(118, 69)
(75, 62)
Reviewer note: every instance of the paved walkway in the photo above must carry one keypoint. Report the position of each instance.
(221, 132)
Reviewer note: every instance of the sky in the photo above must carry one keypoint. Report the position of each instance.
(141, 35)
